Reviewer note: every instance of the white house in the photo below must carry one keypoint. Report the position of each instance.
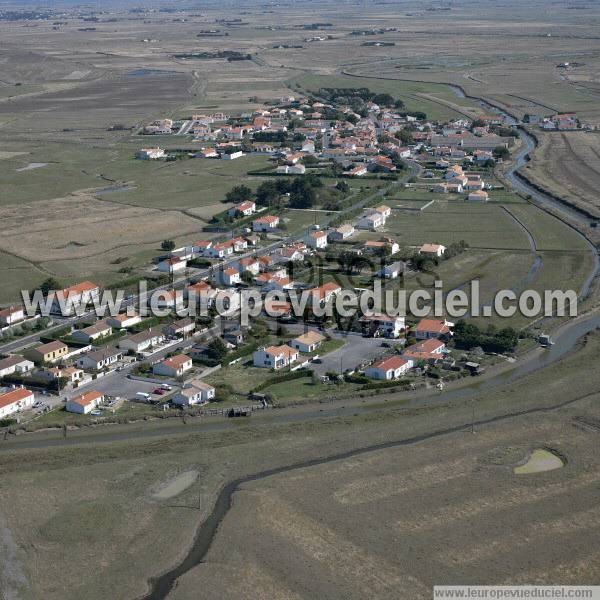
(266, 223)
(99, 359)
(182, 327)
(15, 400)
(71, 374)
(432, 250)
(249, 264)
(11, 315)
(297, 169)
(389, 326)
(123, 321)
(317, 240)
(307, 342)
(93, 332)
(229, 276)
(175, 366)
(15, 364)
(274, 357)
(392, 271)
(384, 210)
(84, 403)
(143, 341)
(371, 222)
(173, 264)
(194, 391)
(65, 301)
(150, 153)
(343, 232)
(244, 209)
(389, 368)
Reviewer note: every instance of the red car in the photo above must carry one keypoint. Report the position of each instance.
(158, 392)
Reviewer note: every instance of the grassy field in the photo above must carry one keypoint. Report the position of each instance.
(568, 165)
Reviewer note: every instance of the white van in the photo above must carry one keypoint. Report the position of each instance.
(143, 396)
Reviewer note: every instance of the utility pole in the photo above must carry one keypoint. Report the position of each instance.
(473, 416)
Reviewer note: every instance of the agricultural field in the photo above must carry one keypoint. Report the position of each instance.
(567, 164)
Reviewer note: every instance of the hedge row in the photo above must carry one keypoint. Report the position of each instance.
(290, 376)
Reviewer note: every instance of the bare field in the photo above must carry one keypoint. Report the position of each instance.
(568, 165)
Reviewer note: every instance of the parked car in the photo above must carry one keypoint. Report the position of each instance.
(158, 391)
(166, 387)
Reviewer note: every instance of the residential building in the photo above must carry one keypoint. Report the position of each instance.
(384, 210)
(71, 374)
(48, 353)
(389, 368)
(229, 276)
(298, 169)
(96, 360)
(428, 350)
(14, 364)
(232, 155)
(387, 244)
(181, 327)
(377, 324)
(266, 223)
(194, 391)
(150, 153)
(371, 222)
(243, 209)
(142, 342)
(175, 366)
(274, 357)
(14, 401)
(84, 403)
(249, 264)
(307, 342)
(123, 321)
(341, 233)
(436, 250)
(65, 301)
(317, 240)
(171, 265)
(11, 315)
(393, 270)
(93, 332)
(431, 328)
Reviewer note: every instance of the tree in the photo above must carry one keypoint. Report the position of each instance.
(168, 245)
(405, 136)
(239, 193)
(501, 152)
(247, 277)
(342, 186)
(49, 285)
(217, 349)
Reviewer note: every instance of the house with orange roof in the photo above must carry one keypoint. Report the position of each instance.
(11, 315)
(317, 240)
(65, 301)
(307, 342)
(274, 357)
(265, 224)
(429, 350)
(229, 276)
(84, 403)
(431, 328)
(15, 400)
(249, 264)
(175, 366)
(436, 250)
(244, 209)
(389, 368)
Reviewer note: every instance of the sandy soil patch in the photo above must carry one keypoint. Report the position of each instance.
(176, 485)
